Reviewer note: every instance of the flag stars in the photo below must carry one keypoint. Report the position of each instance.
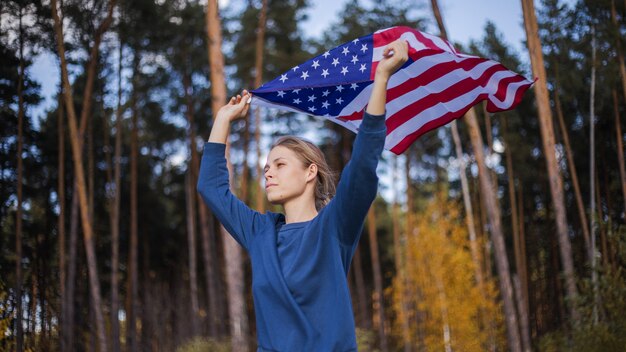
(325, 55)
(363, 68)
(283, 78)
(325, 93)
(297, 101)
(363, 47)
(312, 98)
(325, 105)
(355, 41)
(296, 91)
(280, 93)
(325, 72)
(305, 75)
(335, 62)
(354, 86)
(345, 50)
(316, 64)
(312, 109)
(295, 68)
(344, 70)
(339, 101)
(339, 88)
(354, 59)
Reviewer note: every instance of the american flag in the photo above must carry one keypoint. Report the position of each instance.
(435, 86)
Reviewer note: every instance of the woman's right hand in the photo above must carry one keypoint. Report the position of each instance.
(236, 108)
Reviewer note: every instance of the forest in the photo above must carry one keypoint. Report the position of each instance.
(497, 232)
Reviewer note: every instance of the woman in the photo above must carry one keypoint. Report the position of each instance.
(300, 260)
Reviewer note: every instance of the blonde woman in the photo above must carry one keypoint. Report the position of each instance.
(300, 258)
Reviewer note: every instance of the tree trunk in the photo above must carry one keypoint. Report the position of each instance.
(191, 206)
(522, 296)
(399, 264)
(572, 168)
(258, 64)
(19, 338)
(132, 291)
(547, 136)
(620, 149)
(80, 177)
(357, 267)
(233, 252)
(618, 48)
(71, 268)
(378, 301)
(115, 211)
(497, 236)
(592, 175)
(61, 228)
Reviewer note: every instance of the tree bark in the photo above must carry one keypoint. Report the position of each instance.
(620, 149)
(522, 295)
(191, 206)
(80, 177)
(497, 236)
(572, 168)
(132, 291)
(61, 228)
(19, 338)
(547, 137)
(618, 48)
(357, 267)
(233, 252)
(378, 301)
(258, 78)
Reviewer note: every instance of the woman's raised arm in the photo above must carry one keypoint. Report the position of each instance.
(236, 108)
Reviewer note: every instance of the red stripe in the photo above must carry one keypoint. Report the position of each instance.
(433, 124)
(501, 94)
(430, 75)
(453, 91)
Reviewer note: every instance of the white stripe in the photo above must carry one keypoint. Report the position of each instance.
(439, 85)
(511, 92)
(438, 110)
(440, 43)
(409, 37)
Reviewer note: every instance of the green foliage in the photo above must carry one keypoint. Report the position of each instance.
(602, 326)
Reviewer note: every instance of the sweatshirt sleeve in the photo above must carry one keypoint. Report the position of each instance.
(358, 184)
(214, 187)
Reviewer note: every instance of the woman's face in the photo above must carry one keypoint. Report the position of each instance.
(285, 175)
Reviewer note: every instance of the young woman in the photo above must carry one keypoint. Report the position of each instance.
(300, 259)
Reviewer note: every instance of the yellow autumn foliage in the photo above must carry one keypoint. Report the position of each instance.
(437, 302)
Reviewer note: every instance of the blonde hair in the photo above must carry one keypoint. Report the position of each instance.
(308, 153)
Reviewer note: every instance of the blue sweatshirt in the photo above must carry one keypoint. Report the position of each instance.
(299, 270)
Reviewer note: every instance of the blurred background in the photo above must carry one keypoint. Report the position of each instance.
(501, 232)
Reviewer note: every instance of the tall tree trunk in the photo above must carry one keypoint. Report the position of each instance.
(620, 149)
(572, 168)
(80, 177)
(592, 175)
(357, 267)
(19, 341)
(115, 210)
(191, 206)
(547, 137)
(469, 212)
(488, 190)
(71, 267)
(258, 71)
(497, 236)
(61, 228)
(618, 47)
(233, 252)
(378, 302)
(522, 296)
(132, 291)
(399, 263)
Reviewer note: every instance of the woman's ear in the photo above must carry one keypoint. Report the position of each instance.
(312, 172)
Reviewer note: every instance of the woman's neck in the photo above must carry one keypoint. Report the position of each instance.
(299, 210)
